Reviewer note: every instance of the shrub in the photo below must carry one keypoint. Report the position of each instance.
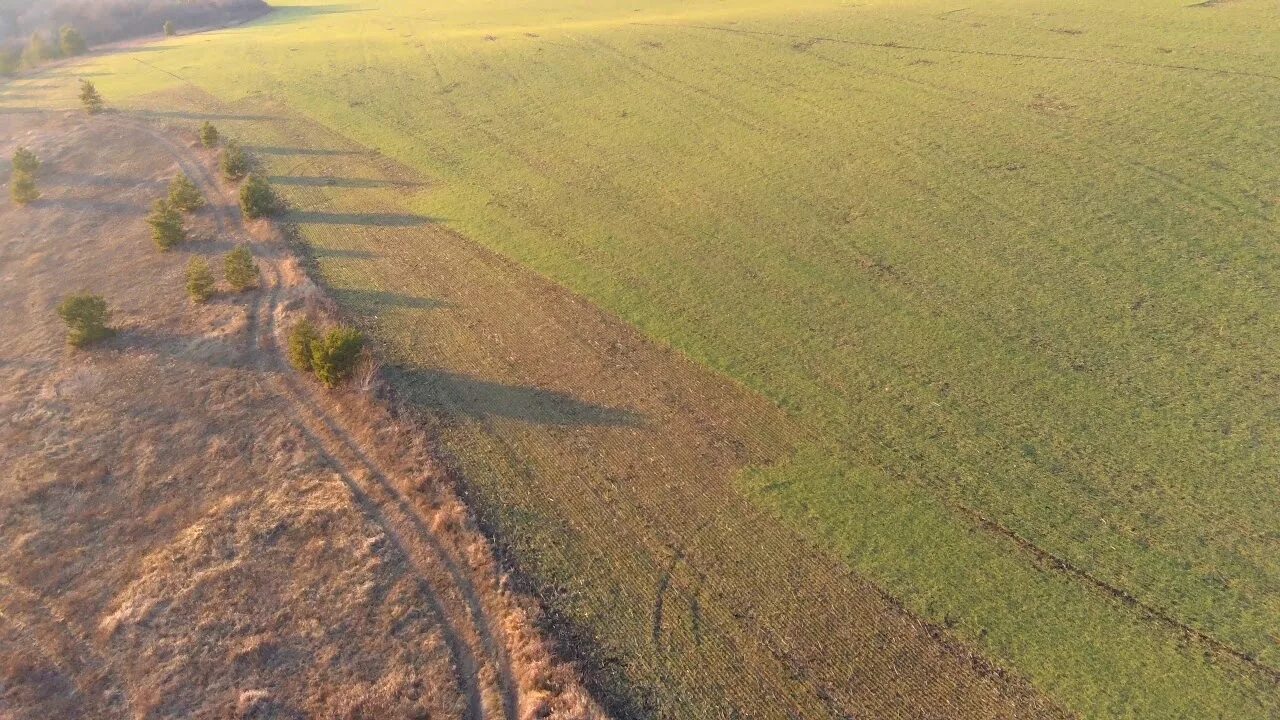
(257, 199)
(239, 269)
(170, 29)
(334, 356)
(25, 161)
(38, 50)
(208, 135)
(72, 41)
(184, 196)
(301, 339)
(235, 161)
(23, 187)
(10, 60)
(199, 280)
(90, 98)
(166, 225)
(86, 317)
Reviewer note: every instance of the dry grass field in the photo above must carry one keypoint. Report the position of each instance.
(190, 530)
(900, 358)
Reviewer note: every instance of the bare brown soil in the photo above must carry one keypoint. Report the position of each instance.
(192, 530)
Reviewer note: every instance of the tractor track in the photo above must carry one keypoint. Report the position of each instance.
(460, 608)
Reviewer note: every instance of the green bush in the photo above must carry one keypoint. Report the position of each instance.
(23, 187)
(239, 269)
(170, 29)
(72, 42)
(90, 98)
(334, 356)
(166, 225)
(208, 135)
(38, 50)
(25, 161)
(184, 196)
(199, 280)
(257, 199)
(302, 338)
(10, 60)
(235, 161)
(86, 317)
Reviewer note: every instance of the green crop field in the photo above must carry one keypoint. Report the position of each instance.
(886, 358)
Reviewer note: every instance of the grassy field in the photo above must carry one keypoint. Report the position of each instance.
(986, 293)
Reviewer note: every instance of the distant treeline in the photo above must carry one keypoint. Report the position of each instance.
(32, 32)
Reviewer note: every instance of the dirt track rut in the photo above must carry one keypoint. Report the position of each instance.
(473, 634)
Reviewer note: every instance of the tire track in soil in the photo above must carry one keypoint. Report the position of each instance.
(372, 489)
(96, 680)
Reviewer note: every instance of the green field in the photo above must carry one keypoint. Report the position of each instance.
(984, 295)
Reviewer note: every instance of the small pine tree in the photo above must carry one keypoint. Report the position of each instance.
(199, 280)
(90, 98)
(257, 199)
(72, 42)
(166, 225)
(23, 187)
(86, 317)
(170, 29)
(334, 356)
(239, 269)
(208, 135)
(235, 161)
(301, 339)
(25, 161)
(184, 196)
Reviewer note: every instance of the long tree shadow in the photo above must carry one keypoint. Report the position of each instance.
(104, 207)
(181, 115)
(379, 300)
(461, 395)
(320, 253)
(359, 183)
(81, 180)
(366, 219)
(179, 348)
(289, 151)
(281, 16)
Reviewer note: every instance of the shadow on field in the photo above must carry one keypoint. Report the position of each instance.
(378, 299)
(277, 150)
(185, 349)
(179, 115)
(283, 15)
(319, 253)
(20, 110)
(102, 207)
(456, 394)
(366, 219)
(315, 181)
(117, 181)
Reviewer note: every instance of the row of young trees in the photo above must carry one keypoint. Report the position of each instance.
(42, 48)
(330, 356)
(32, 28)
(45, 47)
